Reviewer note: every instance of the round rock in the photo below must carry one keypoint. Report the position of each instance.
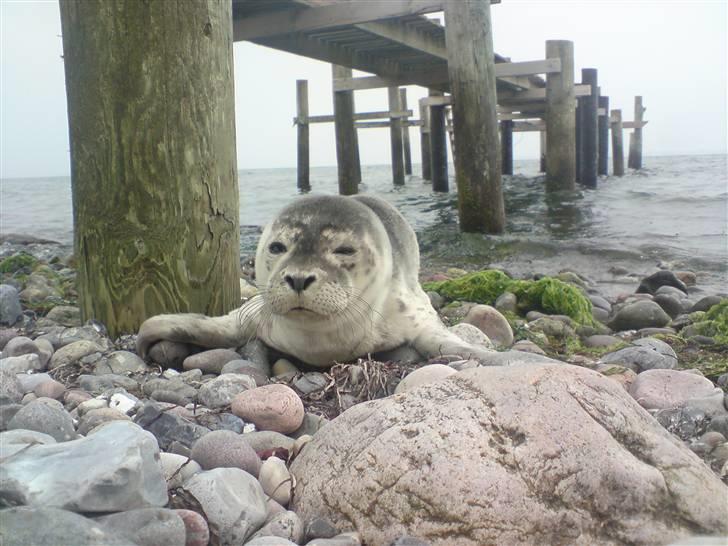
(271, 407)
(211, 361)
(276, 480)
(220, 391)
(638, 315)
(225, 449)
(664, 389)
(423, 376)
(41, 416)
(489, 321)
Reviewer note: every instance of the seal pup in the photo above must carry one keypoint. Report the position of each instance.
(338, 279)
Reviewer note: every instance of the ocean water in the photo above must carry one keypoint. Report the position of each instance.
(673, 213)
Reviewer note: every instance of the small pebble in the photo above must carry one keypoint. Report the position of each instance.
(276, 480)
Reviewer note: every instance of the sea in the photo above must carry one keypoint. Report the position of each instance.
(671, 214)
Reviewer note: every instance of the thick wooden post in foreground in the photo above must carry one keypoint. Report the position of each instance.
(405, 133)
(304, 182)
(506, 142)
(589, 134)
(395, 134)
(472, 80)
(635, 138)
(438, 146)
(155, 191)
(346, 142)
(560, 119)
(617, 147)
(425, 142)
(603, 127)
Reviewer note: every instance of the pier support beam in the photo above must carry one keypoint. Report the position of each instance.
(155, 187)
(506, 142)
(425, 142)
(405, 132)
(603, 127)
(635, 138)
(395, 134)
(560, 119)
(346, 141)
(589, 134)
(617, 147)
(469, 41)
(304, 182)
(542, 152)
(438, 146)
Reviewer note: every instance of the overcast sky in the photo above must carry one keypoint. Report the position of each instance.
(673, 52)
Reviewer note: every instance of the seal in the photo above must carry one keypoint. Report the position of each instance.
(338, 279)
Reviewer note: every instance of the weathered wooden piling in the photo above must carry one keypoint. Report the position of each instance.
(155, 189)
(405, 132)
(425, 141)
(471, 67)
(617, 147)
(346, 153)
(542, 152)
(589, 134)
(395, 135)
(603, 166)
(560, 119)
(635, 138)
(578, 131)
(304, 182)
(438, 146)
(506, 142)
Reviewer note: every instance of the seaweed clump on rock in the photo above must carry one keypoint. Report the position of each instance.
(715, 323)
(547, 294)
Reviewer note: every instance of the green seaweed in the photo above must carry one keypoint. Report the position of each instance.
(715, 323)
(548, 295)
(16, 262)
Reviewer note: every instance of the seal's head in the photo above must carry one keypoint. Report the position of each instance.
(322, 258)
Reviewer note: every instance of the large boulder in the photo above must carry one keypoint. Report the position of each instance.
(536, 454)
(638, 315)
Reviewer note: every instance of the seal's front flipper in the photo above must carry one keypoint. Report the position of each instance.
(228, 331)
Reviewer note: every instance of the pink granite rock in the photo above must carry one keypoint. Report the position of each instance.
(270, 407)
(662, 389)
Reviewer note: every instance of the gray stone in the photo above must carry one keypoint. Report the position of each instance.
(600, 302)
(43, 417)
(65, 315)
(552, 327)
(311, 382)
(311, 424)
(12, 441)
(527, 346)
(507, 302)
(73, 352)
(685, 423)
(409, 541)
(269, 541)
(670, 291)
(29, 381)
(283, 367)
(97, 417)
(343, 539)
(112, 470)
(168, 427)
(589, 428)
(640, 314)
(320, 528)
(490, 321)
(221, 421)
(177, 469)
(669, 303)
(19, 346)
(266, 440)
(719, 424)
(10, 310)
(99, 383)
(602, 341)
(600, 314)
(61, 337)
(219, 392)
(246, 367)
(514, 357)
(50, 389)
(6, 334)
(644, 354)
(169, 354)
(471, 334)
(256, 352)
(147, 526)
(44, 526)
(664, 389)
(46, 351)
(705, 303)
(177, 385)
(436, 300)
(210, 361)
(22, 364)
(286, 525)
(11, 391)
(232, 500)
(225, 449)
(121, 363)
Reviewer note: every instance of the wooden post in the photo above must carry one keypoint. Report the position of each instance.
(506, 142)
(345, 135)
(425, 142)
(617, 148)
(560, 119)
(579, 129)
(603, 168)
(405, 132)
(635, 138)
(395, 133)
(542, 152)
(589, 133)
(357, 159)
(438, 146)
(304, 182)
(471, 67)
(155, 189)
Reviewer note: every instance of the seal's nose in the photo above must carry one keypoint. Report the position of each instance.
(299, 283)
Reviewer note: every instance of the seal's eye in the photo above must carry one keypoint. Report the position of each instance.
(277, 248)
(345, 251)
